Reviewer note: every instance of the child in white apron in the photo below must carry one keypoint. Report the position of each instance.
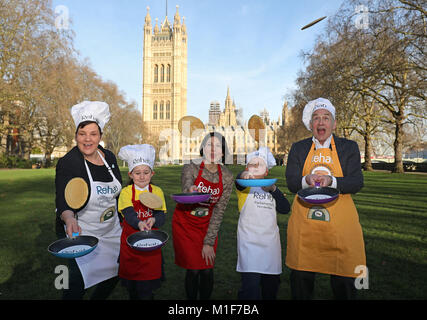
(258, 240)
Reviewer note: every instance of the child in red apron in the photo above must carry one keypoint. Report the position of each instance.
(140, 271)
(190, 222)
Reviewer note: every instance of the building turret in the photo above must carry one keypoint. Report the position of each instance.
(148, 18)
(156, 27)
(176, 20)
(184, 28)
(164, 100)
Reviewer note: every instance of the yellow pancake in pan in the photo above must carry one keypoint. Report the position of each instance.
(150, 200)
(76, 193)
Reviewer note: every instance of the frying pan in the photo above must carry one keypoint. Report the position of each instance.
(147, 240)
(74, 247)
(76, 195)
(318, 195)
(191, 197)
(256, 182)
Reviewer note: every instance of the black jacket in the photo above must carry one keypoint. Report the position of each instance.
(72, 166)
(349, 157)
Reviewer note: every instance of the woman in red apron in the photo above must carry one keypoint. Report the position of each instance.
(140, 271)
(195, 226)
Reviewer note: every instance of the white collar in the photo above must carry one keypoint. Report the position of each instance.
(141, 189)
(326, 144)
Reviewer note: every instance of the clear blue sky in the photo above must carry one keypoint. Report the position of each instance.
(252, 46)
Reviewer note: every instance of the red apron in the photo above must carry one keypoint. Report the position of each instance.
(190, 223)
(138, 265)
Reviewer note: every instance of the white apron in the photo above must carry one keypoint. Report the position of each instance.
(99, 218)
(258, 238)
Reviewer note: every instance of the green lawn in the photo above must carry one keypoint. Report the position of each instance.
(392, 209)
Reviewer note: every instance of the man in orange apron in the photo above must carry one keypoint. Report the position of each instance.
(324, 238)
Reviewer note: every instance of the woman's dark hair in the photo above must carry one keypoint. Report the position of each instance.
(85, 123)
(221, 138)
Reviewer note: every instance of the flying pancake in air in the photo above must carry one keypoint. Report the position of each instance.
(187, 125)
(313, 23)
(256, 128)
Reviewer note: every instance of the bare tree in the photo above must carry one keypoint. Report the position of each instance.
(29, 42)
(124, 127)
(41, 77)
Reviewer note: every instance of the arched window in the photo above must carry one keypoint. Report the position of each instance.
(155, 110)
(161, 110)
(168, 110)
(168, 73)
(162, 73)
(156, 73)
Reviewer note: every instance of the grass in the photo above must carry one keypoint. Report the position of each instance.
(392, 210)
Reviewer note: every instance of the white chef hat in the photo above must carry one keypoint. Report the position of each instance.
(263, 153)
(138, 154)
(91, 111)
(319, 103)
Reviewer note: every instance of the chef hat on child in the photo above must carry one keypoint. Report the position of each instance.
(263, 153)
(138, 154)
(91, 111)
(319, 103)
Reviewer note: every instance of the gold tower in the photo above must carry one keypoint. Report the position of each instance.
(228, 118)
(164, 99)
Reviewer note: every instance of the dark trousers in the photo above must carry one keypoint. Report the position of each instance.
(199, 282)
(257, 286)
(141, 290)
(302, 286)
(144, 289)
(76, 289)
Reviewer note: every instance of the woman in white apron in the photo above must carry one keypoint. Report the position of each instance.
(98, 217)
(258, 239)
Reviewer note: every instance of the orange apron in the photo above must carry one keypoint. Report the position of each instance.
(325, 238)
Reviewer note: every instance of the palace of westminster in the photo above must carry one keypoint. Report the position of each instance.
(164, 100)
